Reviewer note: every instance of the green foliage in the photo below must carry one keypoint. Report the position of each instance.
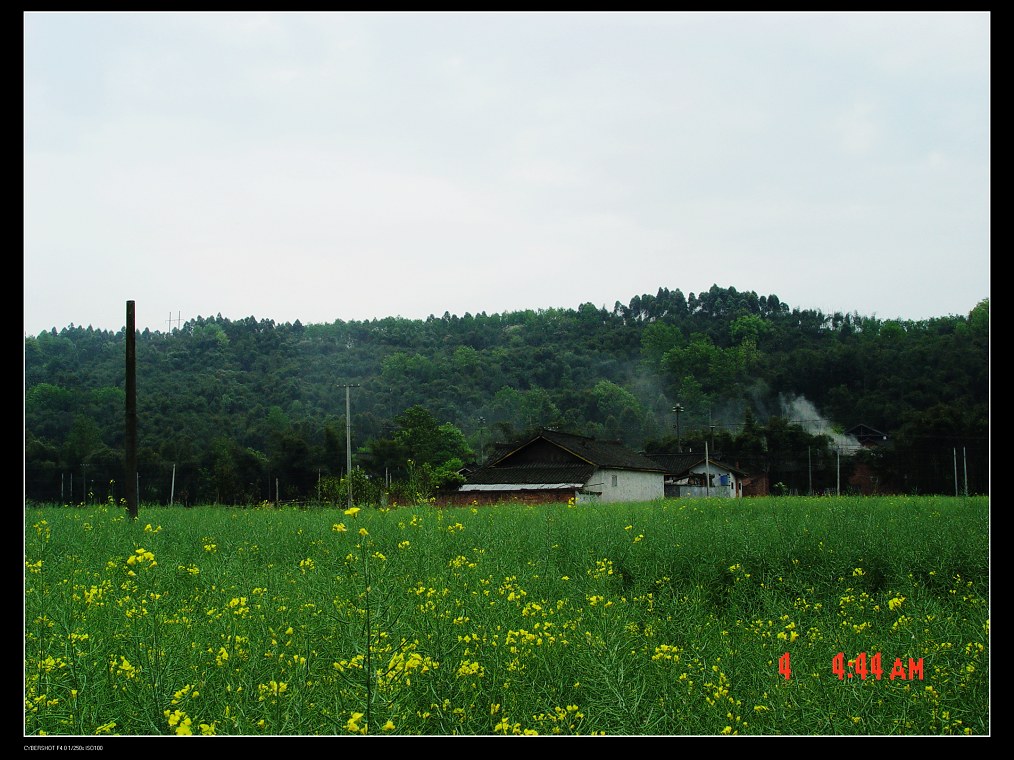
(271, 389)
(425, 441)
(748, 327)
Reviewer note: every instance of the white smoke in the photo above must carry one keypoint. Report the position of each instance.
(799, 411)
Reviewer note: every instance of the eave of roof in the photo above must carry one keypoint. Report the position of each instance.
(520, 486)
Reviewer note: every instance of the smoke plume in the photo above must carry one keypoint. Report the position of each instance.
(800, 411)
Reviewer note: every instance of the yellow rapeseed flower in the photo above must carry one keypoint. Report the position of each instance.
(353, 723)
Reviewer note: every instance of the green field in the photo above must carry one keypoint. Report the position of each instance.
(679, 617)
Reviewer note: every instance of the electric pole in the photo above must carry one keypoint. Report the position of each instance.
(130, 417)
(679, 443)
(348, 437)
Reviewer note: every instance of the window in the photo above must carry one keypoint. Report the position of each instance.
(614, 481)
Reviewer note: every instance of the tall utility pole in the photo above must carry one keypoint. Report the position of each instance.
(707, 470)
(679, 443)
(130, 438)
(348, 437)
(964, 459)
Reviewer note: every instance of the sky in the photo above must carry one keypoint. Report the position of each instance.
(355, 166)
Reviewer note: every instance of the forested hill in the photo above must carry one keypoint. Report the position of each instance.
(247, 409)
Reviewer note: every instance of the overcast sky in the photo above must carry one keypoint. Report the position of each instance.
(351, 166)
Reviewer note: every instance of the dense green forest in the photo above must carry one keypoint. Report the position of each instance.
(245, 411)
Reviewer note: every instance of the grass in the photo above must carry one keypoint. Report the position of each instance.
(665, 618)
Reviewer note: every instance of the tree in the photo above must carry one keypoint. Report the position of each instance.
(425, 441)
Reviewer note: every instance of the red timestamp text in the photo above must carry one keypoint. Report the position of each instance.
(865, 666)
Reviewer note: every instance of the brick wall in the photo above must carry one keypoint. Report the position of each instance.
(486, 498)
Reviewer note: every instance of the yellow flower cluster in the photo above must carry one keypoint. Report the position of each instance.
(123, 668)
(405, 663)
(666, 653)
(186, 691)
(50, 663)
(180, 722)
(467, 669)
(353, 727)
(790, 633)
(273, 689)
(561, 718)
(141, 558)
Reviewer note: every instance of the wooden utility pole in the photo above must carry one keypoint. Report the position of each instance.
(130, 479)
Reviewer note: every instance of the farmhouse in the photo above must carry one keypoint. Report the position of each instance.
(554, 467)
(691, 475)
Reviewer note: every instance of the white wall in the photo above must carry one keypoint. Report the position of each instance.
(627, 485)
(732, 488)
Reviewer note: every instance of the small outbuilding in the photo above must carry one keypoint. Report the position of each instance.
(694, 474)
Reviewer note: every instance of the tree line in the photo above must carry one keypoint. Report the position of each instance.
(245, 411)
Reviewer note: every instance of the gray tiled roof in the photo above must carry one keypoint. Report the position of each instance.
(568, 459)
(678, 464)
(674, 464)
(533, 473)
(593, 451)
